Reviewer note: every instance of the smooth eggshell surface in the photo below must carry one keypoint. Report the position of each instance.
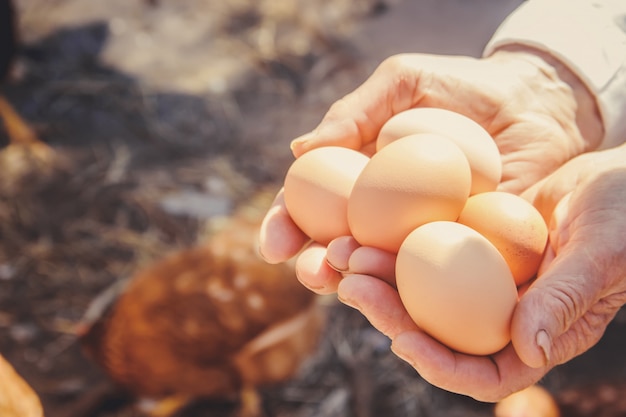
(317, 187)
(412, 181)
(457, 287)
(513, 225)
(534, 401)
(479, 147)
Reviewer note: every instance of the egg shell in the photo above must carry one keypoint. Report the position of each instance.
(457, 287)
(513, 225)
(412, 181)
(534, 401)
(316, 190)
(479, 147)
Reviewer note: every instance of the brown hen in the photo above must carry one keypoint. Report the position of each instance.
(17, 398)
(214, 321)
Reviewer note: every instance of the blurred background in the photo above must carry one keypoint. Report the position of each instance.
(156, 123)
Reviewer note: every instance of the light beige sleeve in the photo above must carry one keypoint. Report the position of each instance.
(587, 35)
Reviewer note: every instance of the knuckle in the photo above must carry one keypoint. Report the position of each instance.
(567, 305)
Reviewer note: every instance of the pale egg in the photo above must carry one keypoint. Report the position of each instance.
(316, 190)
(457, 287)
(534, 401)
(513, 225)
(414, 180)
(479, 147)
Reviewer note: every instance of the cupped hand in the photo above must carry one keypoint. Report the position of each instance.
(533, 115)
(582, 282)
(580, 286)
(518, 98)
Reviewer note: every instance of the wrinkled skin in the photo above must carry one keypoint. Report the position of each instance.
(532, 116)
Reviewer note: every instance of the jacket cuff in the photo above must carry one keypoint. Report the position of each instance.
(588, 37)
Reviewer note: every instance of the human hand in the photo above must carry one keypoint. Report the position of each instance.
(580, 286)
(532, 115)
(539, 114)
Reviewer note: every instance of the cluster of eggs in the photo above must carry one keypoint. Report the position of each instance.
(428, 194)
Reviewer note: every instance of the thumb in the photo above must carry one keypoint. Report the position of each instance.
(547, 311)
(355, 120)
(541, 328)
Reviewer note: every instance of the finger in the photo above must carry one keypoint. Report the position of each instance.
(338, 252)
(558, 232)
(377, 301)
(531, 193)
(568, 307)
(354, 120)
(553, 190)
(549, 308)
(345, 255)
(547, 193)
(279, 237)
(314, 272)
(563, 292)
(484, 378)
(574, 174)
(375, 262)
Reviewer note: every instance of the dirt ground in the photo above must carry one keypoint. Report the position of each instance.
(173, 113)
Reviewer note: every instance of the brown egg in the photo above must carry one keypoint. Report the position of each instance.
(457, 287)
(317, 186)
(478, 146)
(534, 401)
(513, 225)
(414, 180)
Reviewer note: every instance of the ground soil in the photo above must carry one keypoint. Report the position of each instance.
(172, 113)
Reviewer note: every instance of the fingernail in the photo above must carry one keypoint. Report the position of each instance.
(349, 303)
(543, 341)
(319, 290)
(399, 353)
(336, 268)
(260, 253)
(299, 144)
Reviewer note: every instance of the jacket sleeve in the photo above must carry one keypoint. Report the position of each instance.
(589, 36)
